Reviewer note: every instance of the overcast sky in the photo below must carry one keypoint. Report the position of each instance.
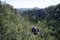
(31, 3)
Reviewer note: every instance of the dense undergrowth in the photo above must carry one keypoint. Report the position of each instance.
(14, 26)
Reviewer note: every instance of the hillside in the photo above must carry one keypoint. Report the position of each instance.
(16, 25)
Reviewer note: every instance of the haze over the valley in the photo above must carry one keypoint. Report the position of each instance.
(31, 3)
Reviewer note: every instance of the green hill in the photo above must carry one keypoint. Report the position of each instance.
(16, 25)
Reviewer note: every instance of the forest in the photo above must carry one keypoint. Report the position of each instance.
(16, 24)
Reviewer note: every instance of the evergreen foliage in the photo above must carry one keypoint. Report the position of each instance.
(16, 25)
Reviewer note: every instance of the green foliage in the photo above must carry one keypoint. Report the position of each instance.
(13, 26)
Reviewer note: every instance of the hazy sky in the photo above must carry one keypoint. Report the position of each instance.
(31, 3)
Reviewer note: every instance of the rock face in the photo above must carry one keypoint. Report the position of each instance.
(37, 31)
(34, 30)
